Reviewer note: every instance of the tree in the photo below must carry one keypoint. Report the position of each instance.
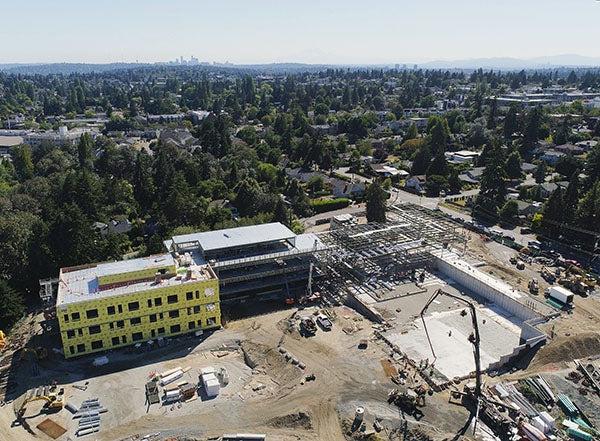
(438, 166)
(509, 212)
(454, 183)
(513, 165)
(12, 307)
(491, 121)
(540, 173)
(421, 161)
(567, 165)
(22, 161)
(282, 214)
(571, 197)
(412, 132)
(511, 125)
(553, 213)
(588, 211)
(315, 183)
(439, 132)
(492, 188)
(435, 184)
(532, 128)
(247, 199)
(593, 163)
(376, 199)
(84, 151)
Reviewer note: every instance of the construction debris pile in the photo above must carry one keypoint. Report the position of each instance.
(211, 380)
(513, 410)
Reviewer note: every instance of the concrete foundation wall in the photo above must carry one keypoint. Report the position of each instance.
(495, 292)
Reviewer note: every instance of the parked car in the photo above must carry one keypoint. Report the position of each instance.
(324, 322)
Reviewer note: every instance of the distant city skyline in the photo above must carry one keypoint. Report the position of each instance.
(268, 31)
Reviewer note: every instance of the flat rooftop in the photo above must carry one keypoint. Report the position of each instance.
(80, 284)
(233, 237)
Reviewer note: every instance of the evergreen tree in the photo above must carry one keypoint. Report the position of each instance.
(540, 173)
(491, 121)
(439, 132)
(454, 183)
(554, 211)
(376, 199)
(412, 132)
(438, 166)
(571, 197)
(248, 193)
(22, 161)
(492, 187)
(513, 165)
(588, 211)
(281, 213)
(84, 151)
(593, 163)
(511, 124)
(509, 212)
(12, 306)
(421, 161)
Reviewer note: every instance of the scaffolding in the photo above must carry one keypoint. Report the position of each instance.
(374, 257)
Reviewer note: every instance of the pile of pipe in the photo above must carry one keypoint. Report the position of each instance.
(89, 416)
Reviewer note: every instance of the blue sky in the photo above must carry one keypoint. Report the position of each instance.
(264, 31)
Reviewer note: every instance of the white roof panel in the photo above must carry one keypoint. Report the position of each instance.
(236, 237)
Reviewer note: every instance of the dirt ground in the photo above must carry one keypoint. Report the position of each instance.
(266, 393)
(575, 334)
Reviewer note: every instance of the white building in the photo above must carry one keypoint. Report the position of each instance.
(64, 136)
(462, 157)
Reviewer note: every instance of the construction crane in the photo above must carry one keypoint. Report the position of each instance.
(474, 338)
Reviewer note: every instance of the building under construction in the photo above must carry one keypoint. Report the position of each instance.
(389, 271)
(373, 258)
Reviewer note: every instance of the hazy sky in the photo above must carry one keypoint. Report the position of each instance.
(264, 31)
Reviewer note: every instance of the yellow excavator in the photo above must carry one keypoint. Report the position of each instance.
(52, 395)
(2, 341)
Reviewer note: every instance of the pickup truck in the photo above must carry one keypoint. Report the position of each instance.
(324, 322)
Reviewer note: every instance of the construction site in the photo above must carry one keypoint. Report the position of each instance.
(390, 331)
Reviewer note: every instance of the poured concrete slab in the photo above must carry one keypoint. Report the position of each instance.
(449, 331)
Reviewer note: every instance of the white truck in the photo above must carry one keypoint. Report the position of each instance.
(563, 295)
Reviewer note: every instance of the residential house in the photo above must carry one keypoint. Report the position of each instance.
(225, 204)
(462, 157)
(528, 209)
(587, 145)
(387, 171)
(114, 226)
(324, 129)
(570, 149)
(527, 167)
(416, 183)
(347, 189)
(547, 188)
(472, 176)
(181, 138)
(552, 156)
(165, 118)
(198, 115)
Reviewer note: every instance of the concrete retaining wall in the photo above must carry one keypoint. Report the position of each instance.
(496, 292)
